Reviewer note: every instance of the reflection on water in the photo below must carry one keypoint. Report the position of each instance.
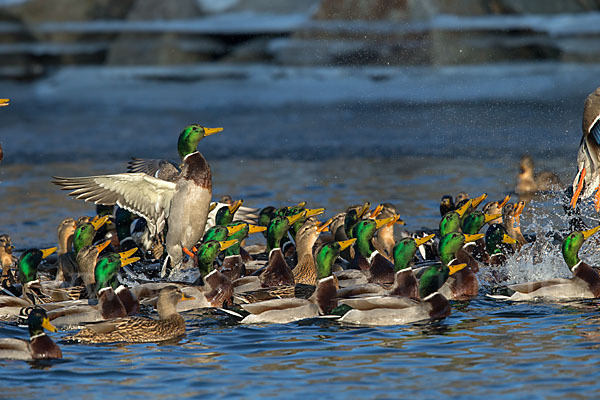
(484, 347)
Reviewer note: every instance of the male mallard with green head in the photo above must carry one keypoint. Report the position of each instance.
(39, 347)
(183, 204)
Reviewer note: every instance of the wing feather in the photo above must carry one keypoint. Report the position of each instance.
(137, 192)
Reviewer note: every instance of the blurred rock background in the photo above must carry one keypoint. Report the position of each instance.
(39, 35)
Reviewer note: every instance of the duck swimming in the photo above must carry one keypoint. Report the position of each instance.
(39, 347)
(528, 182)
(140, 330)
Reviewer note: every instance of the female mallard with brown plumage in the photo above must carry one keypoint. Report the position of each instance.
(140, 330)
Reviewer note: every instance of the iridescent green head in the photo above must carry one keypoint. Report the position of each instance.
(451, 220)
(225, 214)
(449, 245)
(404, 251)
(497, 240)
(85, 232)
(572, 243)
(29, 261)
(327, 254)
(364, 230)
(191, 136)
(277, 229)
(208, 252)
(107, 268)
(354, 215)
(473, 222)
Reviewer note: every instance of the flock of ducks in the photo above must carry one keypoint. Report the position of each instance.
(159, 242)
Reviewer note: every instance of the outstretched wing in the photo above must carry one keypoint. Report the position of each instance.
(158, 168)
(139, 193)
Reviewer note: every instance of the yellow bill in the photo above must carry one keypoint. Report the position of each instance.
(491, 217)
(47, 252)
(455, 268)
(295, 218)
(477, 201)
(472, 238)
(225, 244)
(324, 227)
(211, 131)
(423, 240)
(508, 239)
(102, 245)
(344, 244)
(503, 202)
(311, 212)
(256, 228)
(462, 210)
(381, 222)
(590, 232)
(4, 102)
(234, 229)
(363, 210)
(235, 206)
(97, 222)
(46, 324)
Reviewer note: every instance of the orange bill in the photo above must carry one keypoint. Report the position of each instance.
(477, 201)
(211, 131)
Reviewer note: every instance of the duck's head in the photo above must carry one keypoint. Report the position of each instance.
(29, 262)
(364, 230)
(573, 242)
(526, 167)
(452, 242)
(6, 244)
(168, 298)
(222, 232)
(66, 230)
(327, 254)
(497, 240)
(277, 228)
(87, 259)
(85, 232)
(496, 207)
(476, 220)
(434, 277)
(37, 321)
(225, 214)
(107, 268)
(404, 251)
(451, 220)
(191, 136)
(446, 204)
(353, 215)
(208, 252)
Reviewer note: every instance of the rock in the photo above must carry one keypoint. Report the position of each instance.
(147, 10)
(394, 10)
(164, 49)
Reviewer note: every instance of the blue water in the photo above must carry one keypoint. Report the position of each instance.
(329, 156)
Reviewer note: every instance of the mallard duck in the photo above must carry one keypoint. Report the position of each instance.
(528, 182)
(404, 251)
(471, 225)
(446, 204)
(451, 221)
(368, 258)
(207, 253)
(511, 219)
(140, 330)
(233, 265)
(183, 204)
(495, 207)
(394, 310)
(66, 230)
(39, 347)
(587, 179)
(169, 170)
(437, 277)
(282, 311)
(305, 271)
(83, 236)
(585, 283)
(7, 259)
(384, 240)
